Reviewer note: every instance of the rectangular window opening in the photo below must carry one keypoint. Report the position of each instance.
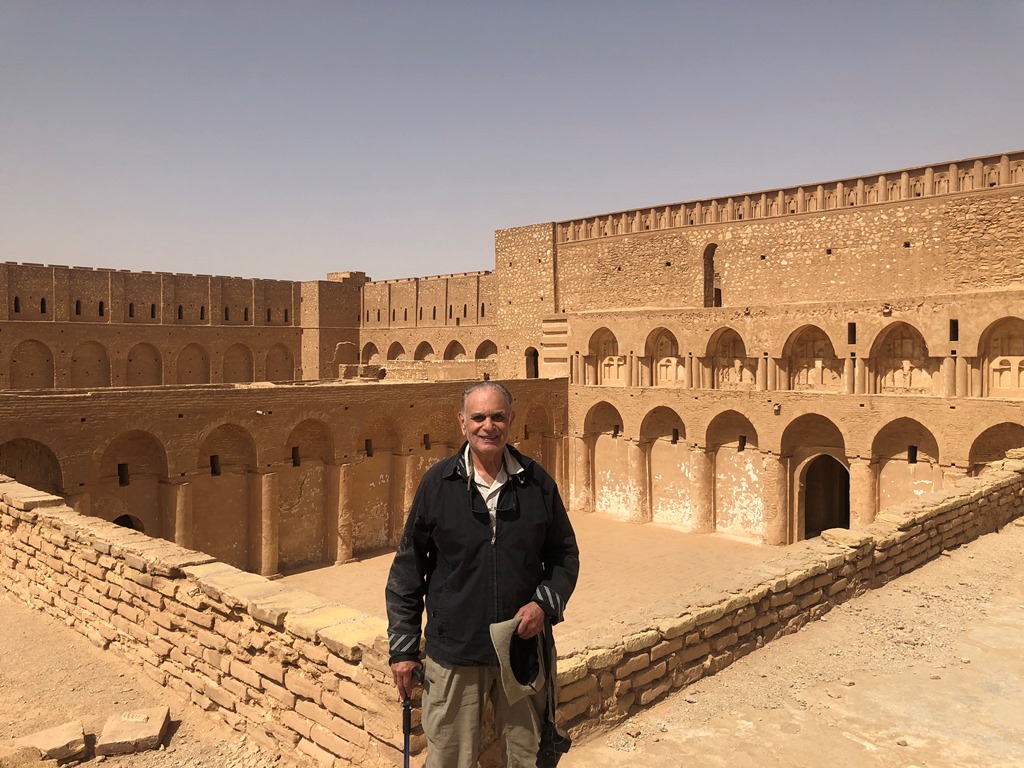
(122, 475)
(675, 437)
(911, 454)
(296, 456)
(741, 445)
(954, 330)
(426, 440)
(368, 447)
(851, 333)
(214, 465)
(615, 432)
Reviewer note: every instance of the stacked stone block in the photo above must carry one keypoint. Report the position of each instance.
(291, 670)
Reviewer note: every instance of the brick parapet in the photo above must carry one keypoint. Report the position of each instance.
(289, 669)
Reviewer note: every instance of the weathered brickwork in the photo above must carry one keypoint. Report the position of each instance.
(603, 685)
(289, 669)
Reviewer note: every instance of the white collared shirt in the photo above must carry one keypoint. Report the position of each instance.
(490, 493)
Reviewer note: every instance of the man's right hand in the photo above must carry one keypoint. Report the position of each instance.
(402, 672)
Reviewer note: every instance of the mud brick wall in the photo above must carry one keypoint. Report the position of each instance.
(291, 670)
(602, 685)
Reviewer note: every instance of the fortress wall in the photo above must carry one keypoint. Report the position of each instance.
(288, 669)
(937, 245)
(605, 683)
(431, 302)
(525, 266)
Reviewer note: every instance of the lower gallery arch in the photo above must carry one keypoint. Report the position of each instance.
(825, 489)
(396, 351)
(992, 445)
(31, 463)
(614, 492)
(906, 457)
(454, 351)
(378, 489)
(280, 366)
(805, 440)
(738, 495)
(533, 432)
(32, 366)
(424, 351)
(674, 472)
(224, 489)
(132, 482)
(370, 354)
(143, 368)
(302, 496)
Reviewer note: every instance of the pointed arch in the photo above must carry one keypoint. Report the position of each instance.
(810, 361)
(907, 456)
(279, 364)
(32, 366)
(396, 352)
(33, 464)
(238, 367)
(731, 368)
(370, 354)
(901, 363)
(90, 366)
(132, 471)
(424, 351)
(487, 350)
(193, 365)
(454, 351)
(1002, 358)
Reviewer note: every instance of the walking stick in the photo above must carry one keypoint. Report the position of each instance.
(407, 716)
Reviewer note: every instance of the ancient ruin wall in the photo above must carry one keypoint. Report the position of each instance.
(288, 669)
(620, 672)
(884, 251)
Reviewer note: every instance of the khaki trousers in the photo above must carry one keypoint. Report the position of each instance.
(453, 711)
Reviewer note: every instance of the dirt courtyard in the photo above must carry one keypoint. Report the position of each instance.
(928, 672)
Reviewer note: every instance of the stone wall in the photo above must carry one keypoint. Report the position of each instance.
(624, 670)
(288, 669)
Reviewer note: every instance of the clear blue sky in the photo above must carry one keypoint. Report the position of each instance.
(293, 138)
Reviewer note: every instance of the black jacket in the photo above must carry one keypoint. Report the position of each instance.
(447, 558)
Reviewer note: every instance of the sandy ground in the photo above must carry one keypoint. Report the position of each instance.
(928, 671)
(626, 572)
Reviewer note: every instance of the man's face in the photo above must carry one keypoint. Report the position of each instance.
(486, 422)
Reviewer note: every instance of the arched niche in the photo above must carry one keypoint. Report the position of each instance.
(1002, 359)
(132, 472)
(32, 366)
(662, 364)
(302, 495)
(33, 464)
(738, 476)
(810, 361)
(608, 367)
(906, 457)
(731, 369)
(370, 354)
(396, 351)
(238, 367)
(280, 365)
(223, 514)
(901, 364)
(992, 444)
(424, 351)
(454, 351)
(193, 365)
(90, 366)
(487, 350)
(143, 368)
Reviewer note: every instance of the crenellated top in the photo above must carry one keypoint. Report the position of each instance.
(927, 181)
(478, 273)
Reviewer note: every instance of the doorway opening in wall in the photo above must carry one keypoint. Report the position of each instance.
(532, 363)
(826, 496)
(130, 521)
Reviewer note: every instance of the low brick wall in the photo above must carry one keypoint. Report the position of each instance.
(296, 672)
(602, 685)
(291, 670)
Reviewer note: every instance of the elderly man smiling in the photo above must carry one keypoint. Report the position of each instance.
(487, 540)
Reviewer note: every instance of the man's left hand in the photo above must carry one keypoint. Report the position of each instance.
(531, 622)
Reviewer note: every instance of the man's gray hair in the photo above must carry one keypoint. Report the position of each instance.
(495, 385)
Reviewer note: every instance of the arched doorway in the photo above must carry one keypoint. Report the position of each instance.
(826, 496)
(532, 363)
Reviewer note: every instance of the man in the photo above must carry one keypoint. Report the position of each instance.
(487, 539)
